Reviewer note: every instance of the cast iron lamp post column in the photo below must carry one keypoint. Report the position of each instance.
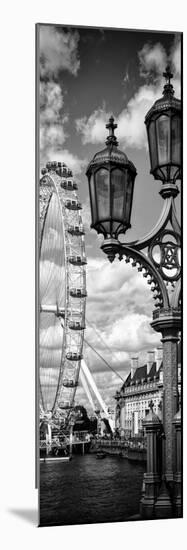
(152, 425)
(111, 179)
(178, 466)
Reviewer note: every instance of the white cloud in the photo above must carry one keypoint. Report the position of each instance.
(133, 333)
(131, 128)
(93, 128)
(153, 60)
(104, 277)
(53, 134)
(58, 51)
(52, 119)
(126, 77)
(175, 58)
(86, 215)
(119, 307)
(51, 102)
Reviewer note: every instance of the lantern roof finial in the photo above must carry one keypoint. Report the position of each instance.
(168, 88)
(111, 155)
(167, 74)
(111, 138)
(167, 102)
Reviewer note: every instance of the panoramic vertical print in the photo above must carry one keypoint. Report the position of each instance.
(109, 191)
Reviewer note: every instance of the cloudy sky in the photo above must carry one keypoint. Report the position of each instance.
(85, 76)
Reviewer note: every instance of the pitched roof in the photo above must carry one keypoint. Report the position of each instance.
(141, 372)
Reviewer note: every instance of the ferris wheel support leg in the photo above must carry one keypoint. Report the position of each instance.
(90, 380)
(86, 388)
(48, 439)
(49, 434)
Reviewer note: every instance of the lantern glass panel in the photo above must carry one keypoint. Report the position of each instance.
(103, 194)
(152, 145)
(118, 181)
(173, 171)
(93, 200)
(106, 226)
(114, 227)
(176, 139)
(163, 139)
(128, 199)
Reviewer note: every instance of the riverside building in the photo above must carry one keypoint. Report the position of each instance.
(142, 385)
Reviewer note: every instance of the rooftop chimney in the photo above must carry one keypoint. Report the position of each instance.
(150, 360)
(134, 365)
(159, 357)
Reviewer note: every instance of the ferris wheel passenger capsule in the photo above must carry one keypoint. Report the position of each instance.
(76, 230)
(73, 204)
(69, 383)
(77, 260)
(44, 171)
(76, 325)
(54, 165)
(78, 293)
(73, 356)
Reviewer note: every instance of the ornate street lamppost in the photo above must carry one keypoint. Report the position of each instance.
(111, 183)
(111, 179)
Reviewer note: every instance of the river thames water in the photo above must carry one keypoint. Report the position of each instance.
(88, 490)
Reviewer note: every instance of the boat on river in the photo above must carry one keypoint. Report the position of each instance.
(101, 455)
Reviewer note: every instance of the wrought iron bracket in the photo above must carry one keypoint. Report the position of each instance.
(157, 254)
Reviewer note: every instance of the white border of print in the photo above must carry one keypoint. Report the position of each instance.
(18, 497)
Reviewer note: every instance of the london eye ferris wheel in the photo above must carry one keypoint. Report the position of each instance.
(62, 290)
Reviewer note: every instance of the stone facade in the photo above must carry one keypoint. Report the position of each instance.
(142, 385)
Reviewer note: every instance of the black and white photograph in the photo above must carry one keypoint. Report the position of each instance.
(109, 171)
